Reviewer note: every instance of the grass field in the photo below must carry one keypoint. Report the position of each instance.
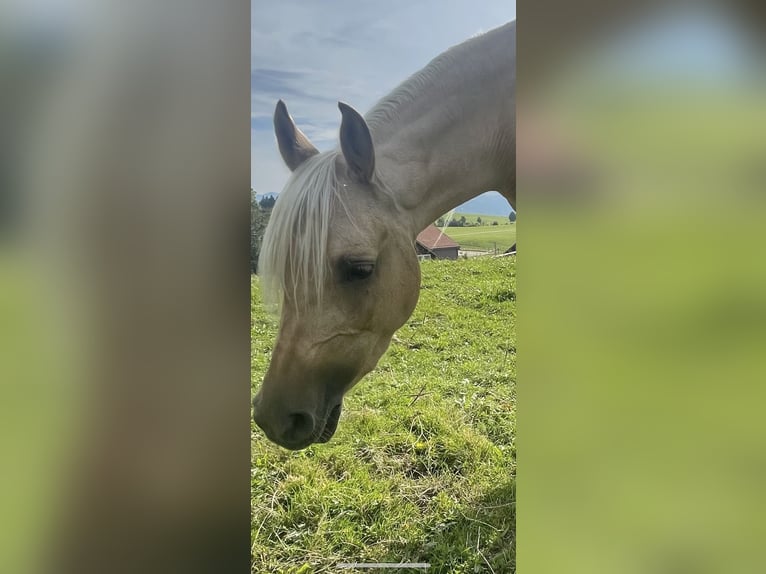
(484, 238)
(422, 468)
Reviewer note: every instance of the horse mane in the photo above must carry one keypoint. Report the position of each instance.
(294, 248)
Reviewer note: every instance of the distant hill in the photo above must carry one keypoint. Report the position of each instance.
(490, 203)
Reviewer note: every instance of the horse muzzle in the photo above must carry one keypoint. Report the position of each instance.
(296, 429)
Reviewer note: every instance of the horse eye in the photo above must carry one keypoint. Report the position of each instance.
(359, 271)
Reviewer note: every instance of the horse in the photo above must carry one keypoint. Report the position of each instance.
(338, 261)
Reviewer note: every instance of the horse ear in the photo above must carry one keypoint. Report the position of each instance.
(294, 146)
(356, 144)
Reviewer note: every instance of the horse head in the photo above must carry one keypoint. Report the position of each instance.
(338, 263)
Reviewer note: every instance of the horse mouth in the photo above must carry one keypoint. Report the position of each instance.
(330, 425)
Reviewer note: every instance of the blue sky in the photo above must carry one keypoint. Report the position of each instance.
(312, 54)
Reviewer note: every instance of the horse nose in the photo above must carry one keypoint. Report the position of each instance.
(294, 430)
(300, 427)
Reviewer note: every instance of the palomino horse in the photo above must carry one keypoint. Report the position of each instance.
(338, 254)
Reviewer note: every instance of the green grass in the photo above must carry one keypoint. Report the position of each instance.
(484, 238)
(422, 467)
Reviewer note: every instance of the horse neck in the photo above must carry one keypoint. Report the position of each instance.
(452, 137)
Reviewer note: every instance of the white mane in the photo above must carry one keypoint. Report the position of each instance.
(294, 249)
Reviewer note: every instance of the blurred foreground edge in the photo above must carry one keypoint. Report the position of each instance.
(129, 188)
(642, 288)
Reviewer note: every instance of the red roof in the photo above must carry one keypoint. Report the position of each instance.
(433, 238)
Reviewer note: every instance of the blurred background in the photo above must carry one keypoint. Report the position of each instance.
(124, 286)
(642, 287)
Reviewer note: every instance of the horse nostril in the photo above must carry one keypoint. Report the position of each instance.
(300, 427)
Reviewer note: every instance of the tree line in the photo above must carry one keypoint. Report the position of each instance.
(260, 210)
(463, 222)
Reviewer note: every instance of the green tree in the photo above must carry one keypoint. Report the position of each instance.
(440, 222)
(462, 221)
(258, 219)
(512, 216)
(478, 220)
(267, 202)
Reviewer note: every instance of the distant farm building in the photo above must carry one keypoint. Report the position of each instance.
(431, 242)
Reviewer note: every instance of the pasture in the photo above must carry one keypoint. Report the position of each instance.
(422, 467)
(485, 237)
